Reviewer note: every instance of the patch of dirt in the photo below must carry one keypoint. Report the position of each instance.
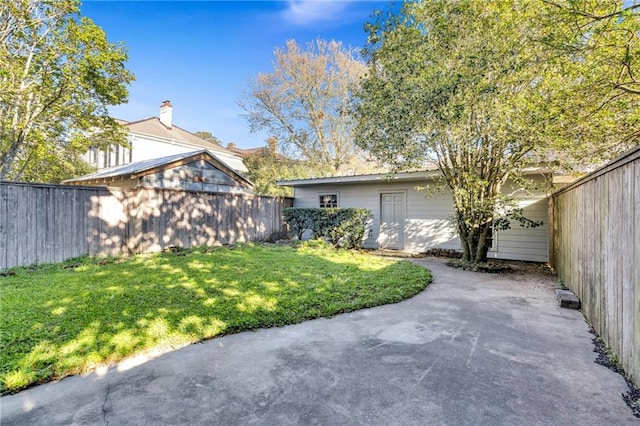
(490, 266)
(71, 266)
(394, 253)
(531, 268)
(631, 398)
(505, 267)
(447, 253)
(176, 250)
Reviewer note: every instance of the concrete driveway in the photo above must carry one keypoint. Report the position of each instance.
(471, 349)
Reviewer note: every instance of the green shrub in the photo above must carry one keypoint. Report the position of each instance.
(297, 220)
(350, 227)
(342, 227)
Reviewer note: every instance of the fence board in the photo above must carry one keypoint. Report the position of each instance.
(626, 283)
(596, 252)
(93, 223)
(50, 223)
(4, 203)
(635, 356)
(80, 222)
(21, 205)
(12, 227)
(31, 233)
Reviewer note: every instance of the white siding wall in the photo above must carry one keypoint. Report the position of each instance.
(520, 243)
(146, 149)
(142, 149)
(428, 223)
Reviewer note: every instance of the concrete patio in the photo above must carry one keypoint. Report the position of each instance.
(471, 349)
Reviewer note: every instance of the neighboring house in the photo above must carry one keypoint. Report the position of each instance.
(158, 137)
(193, 171)
(405, 218)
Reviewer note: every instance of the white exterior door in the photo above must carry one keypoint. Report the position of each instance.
(392, 216)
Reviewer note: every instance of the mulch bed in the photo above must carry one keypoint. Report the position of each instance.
(632, 398)
(497, 266)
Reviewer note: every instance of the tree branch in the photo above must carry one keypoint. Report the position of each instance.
(590, 15)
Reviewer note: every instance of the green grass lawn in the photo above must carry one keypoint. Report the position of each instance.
(67, 318)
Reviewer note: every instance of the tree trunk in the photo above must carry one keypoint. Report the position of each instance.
(474, 241)
(10, 156)
(466, 239)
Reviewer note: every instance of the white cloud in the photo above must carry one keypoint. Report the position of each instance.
(302, 12)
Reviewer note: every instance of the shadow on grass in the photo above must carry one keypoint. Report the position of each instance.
(66, 322)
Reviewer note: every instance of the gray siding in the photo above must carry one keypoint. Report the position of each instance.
(195, 176)
(531, 244)
(428, 224)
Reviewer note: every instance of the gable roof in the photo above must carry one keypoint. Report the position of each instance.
(146, 167)
(153, 127)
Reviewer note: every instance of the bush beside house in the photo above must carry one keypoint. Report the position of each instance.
(342, 227)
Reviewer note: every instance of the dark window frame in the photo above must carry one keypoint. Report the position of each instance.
(328, 200)
(491, 238)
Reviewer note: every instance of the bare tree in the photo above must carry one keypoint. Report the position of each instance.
(304, 102)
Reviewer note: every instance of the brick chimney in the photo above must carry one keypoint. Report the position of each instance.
(166, 113)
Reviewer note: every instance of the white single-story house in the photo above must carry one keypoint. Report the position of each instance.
(193, 171)
(408, 219)
(158, 137)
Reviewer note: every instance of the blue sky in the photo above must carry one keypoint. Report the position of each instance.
(201, 54)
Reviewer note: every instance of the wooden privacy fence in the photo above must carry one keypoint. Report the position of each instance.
(596, 252)
(51, 223)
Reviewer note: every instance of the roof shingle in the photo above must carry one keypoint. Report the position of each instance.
(154, 128)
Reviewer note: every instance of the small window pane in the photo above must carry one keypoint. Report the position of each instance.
(489, 239)
(328, 200)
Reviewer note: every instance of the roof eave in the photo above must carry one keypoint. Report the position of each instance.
(382, 177)
(98, 181)
(387, 177)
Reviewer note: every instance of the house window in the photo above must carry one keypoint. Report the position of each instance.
(328, 200)
(491, 237)
(93, 155)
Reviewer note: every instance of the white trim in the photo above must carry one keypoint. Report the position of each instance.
(494, 239)
(336, 193)
(405, 201)
(385, 177)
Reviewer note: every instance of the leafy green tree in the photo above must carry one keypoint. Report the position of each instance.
(483, 89)
(208, 137)
(608, 29)
(592, 100)
(304, 102)
(59, 73)
(448, 84)
(266, 166)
